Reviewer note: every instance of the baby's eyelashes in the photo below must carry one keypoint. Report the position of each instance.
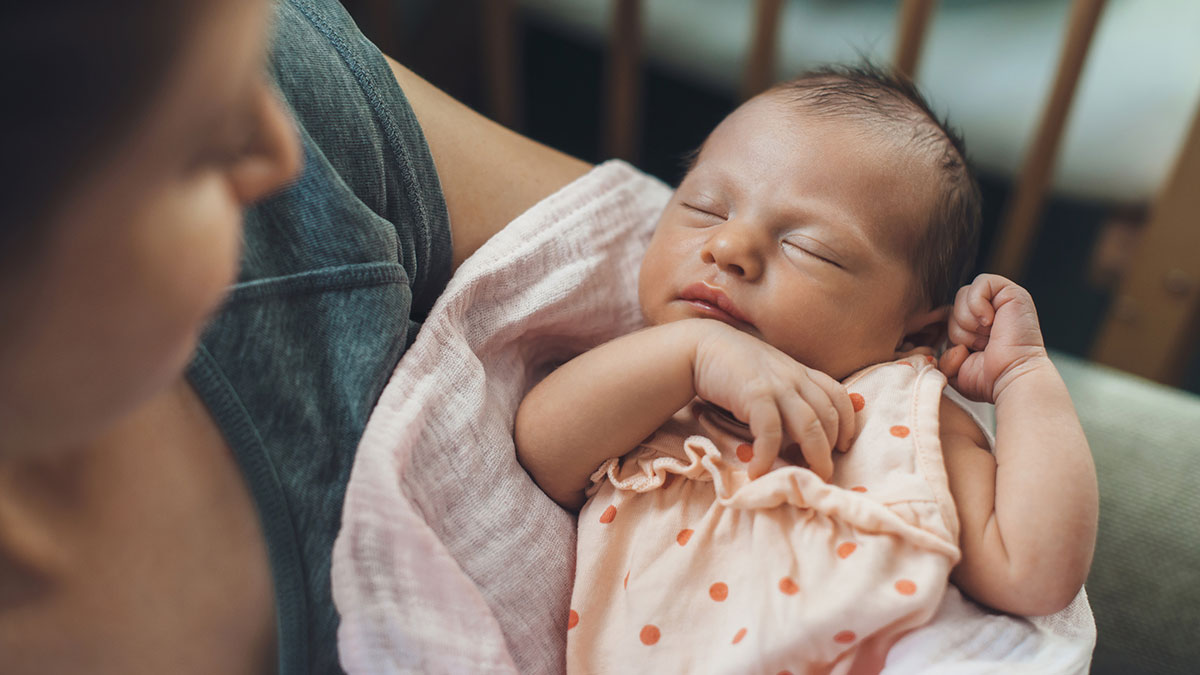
(794, 247)
(703, 210)
(811, 248)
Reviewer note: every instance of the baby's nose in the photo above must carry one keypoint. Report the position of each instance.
(735, 251)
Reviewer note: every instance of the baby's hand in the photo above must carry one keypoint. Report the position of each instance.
(773, 393)
(995, 330)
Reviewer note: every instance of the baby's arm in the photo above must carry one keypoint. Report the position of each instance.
(603, 402)
(1028, 515)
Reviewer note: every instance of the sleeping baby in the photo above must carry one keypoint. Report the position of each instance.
(772, 473)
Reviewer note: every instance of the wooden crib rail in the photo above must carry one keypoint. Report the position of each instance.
(500, 64)
(623, 74)
(1018, 228)
(764, 45)
(911, 27)
(1154, 323)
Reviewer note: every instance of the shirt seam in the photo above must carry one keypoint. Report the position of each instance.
(318, 281)
(238, 430)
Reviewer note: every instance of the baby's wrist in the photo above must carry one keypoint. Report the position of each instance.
(695, 333)
(1034, 371)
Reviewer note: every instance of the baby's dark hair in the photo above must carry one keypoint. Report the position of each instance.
(944, 255)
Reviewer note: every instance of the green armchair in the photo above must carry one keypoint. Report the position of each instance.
(1144, 585)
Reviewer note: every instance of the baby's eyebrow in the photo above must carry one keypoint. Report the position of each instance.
(709, 172)
(838, 223)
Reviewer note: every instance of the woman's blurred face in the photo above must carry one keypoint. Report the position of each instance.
(141, 254)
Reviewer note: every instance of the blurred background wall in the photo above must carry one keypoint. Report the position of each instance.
(987, 64)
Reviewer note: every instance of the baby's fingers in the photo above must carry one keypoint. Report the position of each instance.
(767, 428)
(805, 427)
(952, 360)
(972, 310)
(960, 336)
(979, 302)
(965, 326)
(810, 387)
(839, 398)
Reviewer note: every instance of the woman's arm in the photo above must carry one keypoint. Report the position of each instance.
(489, 174)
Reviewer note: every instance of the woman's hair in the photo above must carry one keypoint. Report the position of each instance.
(944, 255)
(77, 77)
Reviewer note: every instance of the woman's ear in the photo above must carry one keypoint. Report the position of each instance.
(927, 328)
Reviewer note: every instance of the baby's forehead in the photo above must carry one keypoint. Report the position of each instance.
(881, 161)
(905, 132)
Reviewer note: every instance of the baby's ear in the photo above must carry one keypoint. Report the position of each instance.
(927, 328)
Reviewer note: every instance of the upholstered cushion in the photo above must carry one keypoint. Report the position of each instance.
(1145, 579)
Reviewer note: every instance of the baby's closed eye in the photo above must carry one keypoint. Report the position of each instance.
(808, 248)
(704, 210)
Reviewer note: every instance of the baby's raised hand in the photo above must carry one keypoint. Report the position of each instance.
(996, 337)
(773, 393)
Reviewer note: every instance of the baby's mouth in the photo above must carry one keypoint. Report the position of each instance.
(713, 302)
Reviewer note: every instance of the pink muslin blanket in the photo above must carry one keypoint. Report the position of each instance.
(450, 559)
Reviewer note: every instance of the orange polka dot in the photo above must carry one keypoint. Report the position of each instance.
(858, 488)
(845, 637)
(572, 619)
(788, 586)
(745, 452)
(718, 591)
(683, 537)
(857, 401)
(609, 514)
(650, 634)
(899, 431)
(740, 634)
(625, 584)
(906, 587)
(845, 549)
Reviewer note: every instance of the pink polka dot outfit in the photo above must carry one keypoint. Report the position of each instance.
(685, 565)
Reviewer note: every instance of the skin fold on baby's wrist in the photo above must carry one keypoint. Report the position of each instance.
(1033, 369)
(695, 333)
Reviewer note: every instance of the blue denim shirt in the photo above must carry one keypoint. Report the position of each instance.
(336, 272)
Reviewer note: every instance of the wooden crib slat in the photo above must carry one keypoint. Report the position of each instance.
(500, 60)
(624, 79)
(911, 29)
(764, 44)
(1019, 226)
(1152, 327)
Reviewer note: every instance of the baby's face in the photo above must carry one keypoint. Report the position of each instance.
(795, 230)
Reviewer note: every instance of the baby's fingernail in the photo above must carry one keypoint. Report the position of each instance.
(983, 320)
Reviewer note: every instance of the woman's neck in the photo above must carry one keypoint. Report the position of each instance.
(99, 536)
